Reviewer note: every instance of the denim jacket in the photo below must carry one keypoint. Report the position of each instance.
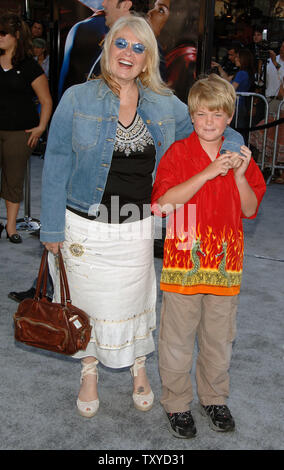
(81, 141)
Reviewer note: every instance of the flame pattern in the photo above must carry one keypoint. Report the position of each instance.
(203, 257)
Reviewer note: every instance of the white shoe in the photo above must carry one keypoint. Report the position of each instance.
(141, 401)
(88, 408)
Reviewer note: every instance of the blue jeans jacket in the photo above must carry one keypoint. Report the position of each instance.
(81, 141)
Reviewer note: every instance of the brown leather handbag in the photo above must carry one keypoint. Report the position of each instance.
(59, 327)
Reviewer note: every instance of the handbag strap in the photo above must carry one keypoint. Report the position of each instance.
(64, 286)
(42, 278)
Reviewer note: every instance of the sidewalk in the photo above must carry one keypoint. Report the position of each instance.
(38, 389)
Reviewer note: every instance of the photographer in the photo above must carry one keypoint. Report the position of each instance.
(274, 79)
(256, 40)
(228, 62)
(243, 81)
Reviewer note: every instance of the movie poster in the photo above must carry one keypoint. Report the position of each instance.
(11, 6)
(82, 28)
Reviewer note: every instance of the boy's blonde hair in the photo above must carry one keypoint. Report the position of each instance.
(213, 92)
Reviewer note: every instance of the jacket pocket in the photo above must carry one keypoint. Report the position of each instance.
(86, 131)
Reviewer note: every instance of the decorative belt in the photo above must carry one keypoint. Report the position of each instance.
(81, 214)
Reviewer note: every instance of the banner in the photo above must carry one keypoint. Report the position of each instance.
(178, 39)
(11, 6)
(82, 29)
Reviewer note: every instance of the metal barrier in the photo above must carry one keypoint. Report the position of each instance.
(261, 97)
(27, 223)
(274, 165)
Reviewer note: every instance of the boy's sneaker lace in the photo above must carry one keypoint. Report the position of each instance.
(219, 416)
(182, 424)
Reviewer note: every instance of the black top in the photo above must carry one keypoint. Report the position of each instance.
(18, 110)
(130, 175)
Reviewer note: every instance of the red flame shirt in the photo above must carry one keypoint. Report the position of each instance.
(203, 250)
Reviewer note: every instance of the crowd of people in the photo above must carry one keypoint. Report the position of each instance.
(262, 69)
(257, 67)
(110, 138)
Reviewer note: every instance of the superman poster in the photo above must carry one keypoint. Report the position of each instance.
(82, 29)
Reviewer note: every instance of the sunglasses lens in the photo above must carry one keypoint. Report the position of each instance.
(3, 33)
(138, 48)
(121, 43)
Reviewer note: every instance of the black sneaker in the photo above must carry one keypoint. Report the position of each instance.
(182, 424)
(19, 296)
(27, 294)
(219, 417)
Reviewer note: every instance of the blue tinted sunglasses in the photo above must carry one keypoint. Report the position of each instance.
(137, 47)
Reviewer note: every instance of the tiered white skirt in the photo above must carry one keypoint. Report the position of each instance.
(111, 276)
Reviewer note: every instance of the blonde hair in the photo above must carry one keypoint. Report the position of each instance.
(213, 92)
(151, 77)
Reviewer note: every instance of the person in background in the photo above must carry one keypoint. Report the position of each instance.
(84, 41)
(228, 63)
(41, 55)
(243, 81)
(21, 79)
(274, 91)
(206, 196)
(256, 50)
(83, 47)
(37, 29)
(253, 46)
(158, 17)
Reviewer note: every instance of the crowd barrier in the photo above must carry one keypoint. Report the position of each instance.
(274, 158)
(252, 99)
(269, 151)
(27, 223)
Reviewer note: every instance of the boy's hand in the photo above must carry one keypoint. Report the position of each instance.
(245, 157)
(220, 166)
(235, 159)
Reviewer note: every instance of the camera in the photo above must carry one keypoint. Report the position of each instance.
(263, 48)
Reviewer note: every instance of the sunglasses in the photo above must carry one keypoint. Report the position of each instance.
(3, 33)
(137, 47)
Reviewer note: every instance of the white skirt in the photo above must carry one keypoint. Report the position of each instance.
(111, 276)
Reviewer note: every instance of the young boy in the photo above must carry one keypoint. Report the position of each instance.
(207, 194)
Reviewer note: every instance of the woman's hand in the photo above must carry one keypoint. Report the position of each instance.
(53, 247)
(214, 64)
(35, 134)
(221, 71)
